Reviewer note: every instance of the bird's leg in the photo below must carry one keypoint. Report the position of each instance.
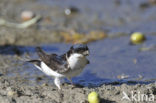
(72, 84)
(70, 80)
(57, 82)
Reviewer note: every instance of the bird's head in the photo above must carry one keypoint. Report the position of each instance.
(80, 49)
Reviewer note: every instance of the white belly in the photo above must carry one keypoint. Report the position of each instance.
(76, 63)
(74, 73)
(45, 69)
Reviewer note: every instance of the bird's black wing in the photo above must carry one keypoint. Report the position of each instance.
(55, 62)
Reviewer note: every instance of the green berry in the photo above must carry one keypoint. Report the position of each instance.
(137, 38)
(93, 97)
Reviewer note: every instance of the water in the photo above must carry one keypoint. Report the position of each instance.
(109, 58)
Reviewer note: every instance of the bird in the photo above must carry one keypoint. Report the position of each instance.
(67, 65)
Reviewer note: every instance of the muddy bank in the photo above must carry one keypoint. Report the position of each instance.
(13, 36)
(85, 17)
(11, 12)
(14, 91)
(19, 86)
(49, 29)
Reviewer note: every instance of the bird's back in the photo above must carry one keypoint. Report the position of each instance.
(53, 61)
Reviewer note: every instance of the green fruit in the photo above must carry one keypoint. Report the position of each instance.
(93, 97)
(137, 38)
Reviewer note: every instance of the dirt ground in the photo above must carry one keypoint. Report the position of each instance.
(16, 87)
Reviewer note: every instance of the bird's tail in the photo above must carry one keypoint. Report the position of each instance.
(36, 62)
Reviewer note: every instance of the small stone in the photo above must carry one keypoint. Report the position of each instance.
(27, 15)
(71, 10)
(44, 84)
(11, 93)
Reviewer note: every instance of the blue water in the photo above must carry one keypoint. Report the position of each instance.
(108, 59)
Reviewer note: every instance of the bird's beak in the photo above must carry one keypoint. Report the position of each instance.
(86, 53)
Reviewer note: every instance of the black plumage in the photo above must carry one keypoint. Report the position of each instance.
(53, 61)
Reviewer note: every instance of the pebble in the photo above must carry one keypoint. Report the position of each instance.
(11, 93)
(27, 15)
(71, 10)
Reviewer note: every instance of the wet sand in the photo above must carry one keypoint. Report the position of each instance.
(17, 87)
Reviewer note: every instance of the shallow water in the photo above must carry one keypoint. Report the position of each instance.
(109, 58)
